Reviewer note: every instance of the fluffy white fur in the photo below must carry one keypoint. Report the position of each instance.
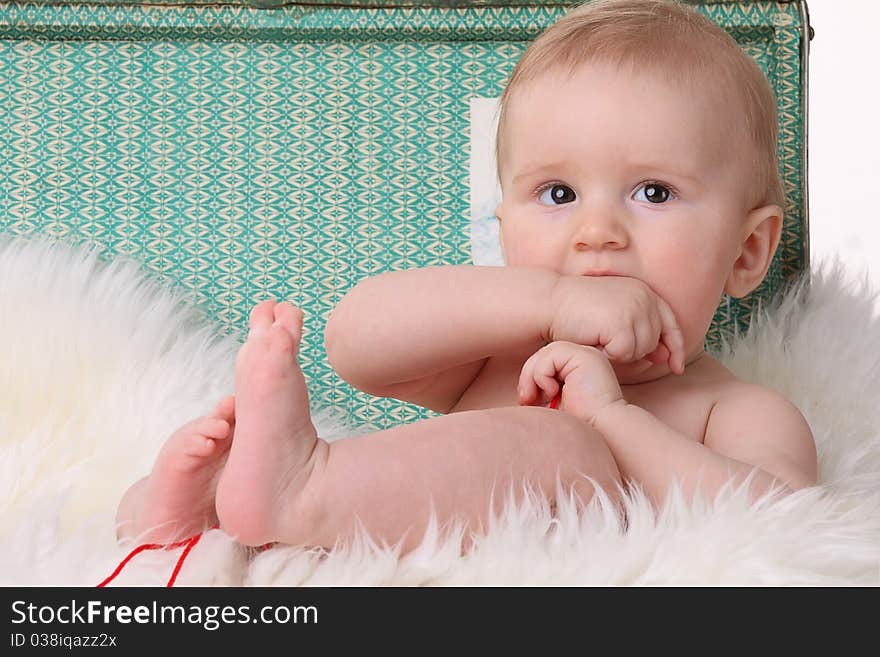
(100, 363)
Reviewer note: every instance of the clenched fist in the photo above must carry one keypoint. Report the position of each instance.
(586, 377)
(618, 315)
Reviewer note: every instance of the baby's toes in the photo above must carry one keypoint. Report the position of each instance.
(211, 427)
(291, 318)
(208, 437)
(261, 317)
(199, 446)
(225, 409)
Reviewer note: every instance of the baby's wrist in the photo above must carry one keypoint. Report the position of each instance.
(608, 410)
(560, 301)
(551, 304)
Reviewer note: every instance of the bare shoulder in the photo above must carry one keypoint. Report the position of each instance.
(759, 426)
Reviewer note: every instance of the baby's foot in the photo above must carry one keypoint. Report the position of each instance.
(178, 496)
(276, 445)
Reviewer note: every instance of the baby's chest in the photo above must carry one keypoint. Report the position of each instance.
(495, 385)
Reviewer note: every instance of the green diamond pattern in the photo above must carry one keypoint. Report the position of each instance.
(252, 150)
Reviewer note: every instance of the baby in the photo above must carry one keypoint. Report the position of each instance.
(637, 158)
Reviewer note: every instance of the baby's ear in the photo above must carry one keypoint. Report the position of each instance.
(760, 237)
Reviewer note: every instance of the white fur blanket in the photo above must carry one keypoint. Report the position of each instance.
(100, 363)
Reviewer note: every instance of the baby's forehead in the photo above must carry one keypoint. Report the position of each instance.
(700, 92)
(695, 119)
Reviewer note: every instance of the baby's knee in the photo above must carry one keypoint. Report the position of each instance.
(583, 455)
(573, 442)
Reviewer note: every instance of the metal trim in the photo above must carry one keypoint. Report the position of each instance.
(806, 37)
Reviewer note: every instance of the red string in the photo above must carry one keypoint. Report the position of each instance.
(554, 403)
(189, 546)
(140, 548)
(188, 542)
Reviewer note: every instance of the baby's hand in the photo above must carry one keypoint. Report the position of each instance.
(619, 315)
(587, 379)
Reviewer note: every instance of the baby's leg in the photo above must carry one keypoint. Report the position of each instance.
(281, 483)
(454, 464)
(177, 499)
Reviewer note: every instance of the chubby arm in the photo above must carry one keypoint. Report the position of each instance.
(422, 335)
(752, 432)
(761, 427)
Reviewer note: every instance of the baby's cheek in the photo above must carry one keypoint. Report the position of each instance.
(694, 315)
(692, 285)
(530, 251)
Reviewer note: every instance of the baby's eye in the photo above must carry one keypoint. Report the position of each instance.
(557, 195)
(654, 193)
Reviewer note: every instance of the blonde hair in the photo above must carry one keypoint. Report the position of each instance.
(667, 39)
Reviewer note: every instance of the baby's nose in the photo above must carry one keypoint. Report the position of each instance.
(600, 233)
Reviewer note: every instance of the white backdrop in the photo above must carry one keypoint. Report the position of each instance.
(844, 140)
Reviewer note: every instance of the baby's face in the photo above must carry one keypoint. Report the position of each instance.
(606, 173)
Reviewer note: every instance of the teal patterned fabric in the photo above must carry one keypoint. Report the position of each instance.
(364, 4)
(244, 152)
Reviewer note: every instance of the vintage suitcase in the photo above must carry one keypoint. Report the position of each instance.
(259, 148)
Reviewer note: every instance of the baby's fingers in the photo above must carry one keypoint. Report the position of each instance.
(672, 337)
(622, 346)
(548, 387)
(526, 388)
(537, 382)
